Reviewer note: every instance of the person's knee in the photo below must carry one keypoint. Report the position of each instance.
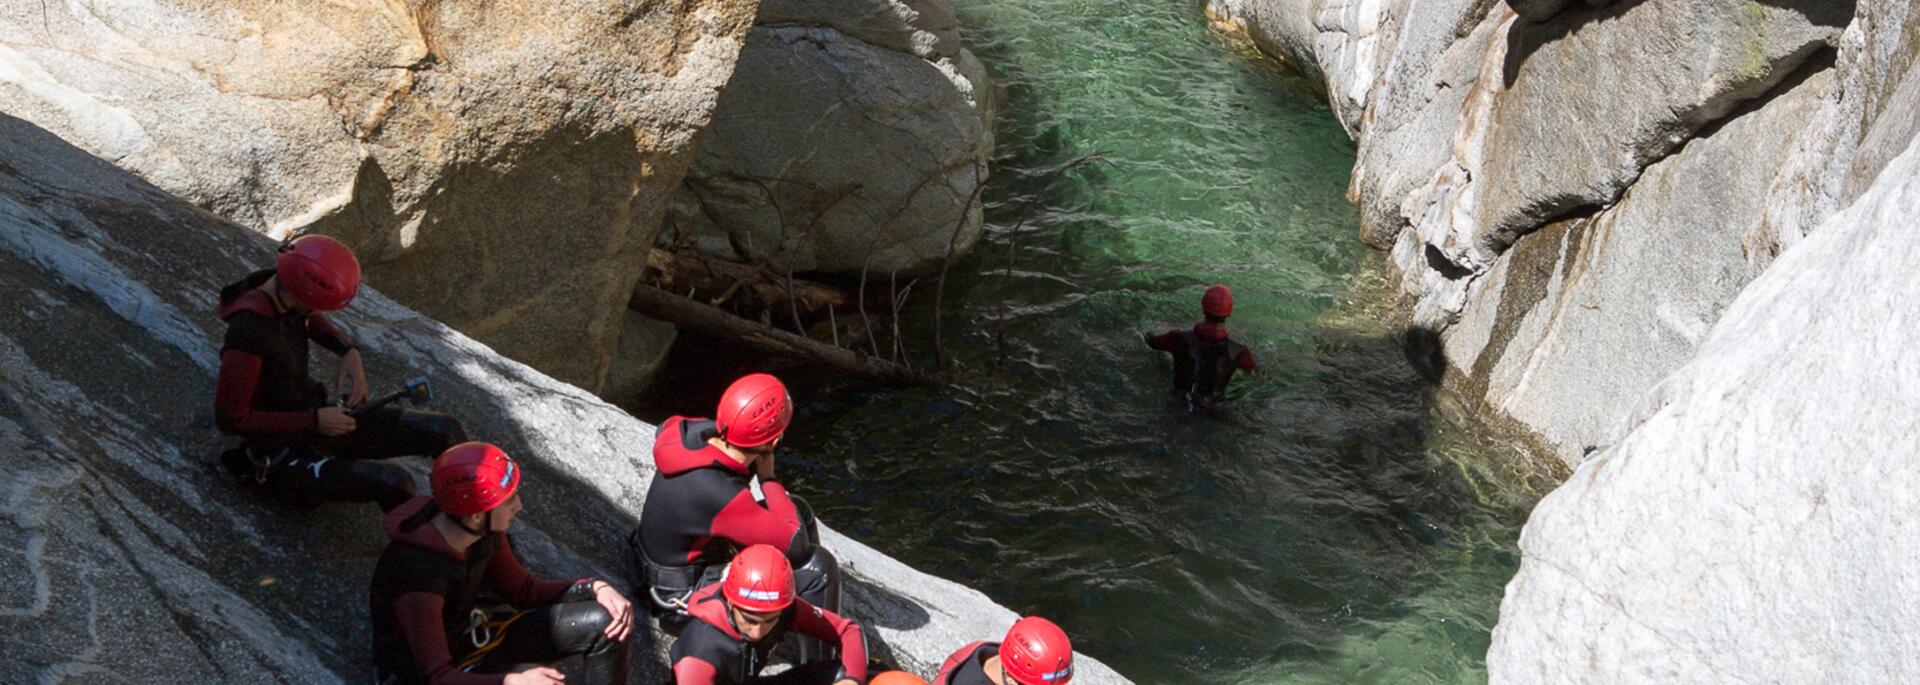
(368, 481)
(818, 579)
(580, 627)
(444, 428)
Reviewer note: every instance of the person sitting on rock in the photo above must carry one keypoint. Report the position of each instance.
(1204, 360)
(1034, 652)
(446, 550)
(295, 444)
(738, 621)
(701, 508)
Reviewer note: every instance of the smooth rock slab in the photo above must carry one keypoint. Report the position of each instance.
(1759, 520)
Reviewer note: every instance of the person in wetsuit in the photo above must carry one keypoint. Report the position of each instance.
(738, 621)
(294, 443)
(444, 551)
(1204, 359)
(1034, 652)
(700, 508)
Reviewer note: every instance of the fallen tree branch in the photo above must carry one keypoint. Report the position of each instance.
(693, 315)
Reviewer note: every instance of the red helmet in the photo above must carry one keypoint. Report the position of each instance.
(1218, 302)
(1036, 652)
(473, 477)
(760, 580)
(896, 678)
(318, 272)
(754, 411)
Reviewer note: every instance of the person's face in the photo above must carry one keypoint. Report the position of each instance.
(503, 515)
(755, 626)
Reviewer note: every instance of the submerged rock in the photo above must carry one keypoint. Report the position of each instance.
(124, 555)
(501, 167)
(854, 134)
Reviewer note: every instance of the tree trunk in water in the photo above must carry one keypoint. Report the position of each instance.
(705, 319)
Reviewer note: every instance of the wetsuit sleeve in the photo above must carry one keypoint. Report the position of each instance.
(747, 523)
(519, 588)
(419, 616)
(1165, 342)
(322, 331)
(1247, 363)
(690, 670)
(833, 628)
(233, 401)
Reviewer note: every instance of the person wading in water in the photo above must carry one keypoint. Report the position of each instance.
(296, 445)
(1204, 359)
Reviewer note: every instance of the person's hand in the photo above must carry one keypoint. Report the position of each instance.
(618, 607)
(350, 368)
(763, 466)
(334, 421)
(536, 676)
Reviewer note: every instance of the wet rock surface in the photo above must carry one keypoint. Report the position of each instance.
(501, 169)
(128, 557)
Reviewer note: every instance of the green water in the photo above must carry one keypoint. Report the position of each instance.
(1336, 524)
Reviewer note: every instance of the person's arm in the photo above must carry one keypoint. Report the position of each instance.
(419, 616)
(521, 589)
(233, 401)
(1247, 363)
(746, 522)
(1163, 342)
(322, 331)
(833, 628)
(691, 670)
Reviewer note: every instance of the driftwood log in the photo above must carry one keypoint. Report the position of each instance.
(718, 280)
(700, 317)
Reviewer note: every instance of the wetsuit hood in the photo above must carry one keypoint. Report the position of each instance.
(402, 527)
(681, 446)
(243, 296)
(708, 606)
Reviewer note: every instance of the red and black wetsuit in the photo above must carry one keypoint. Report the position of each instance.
(699, 510)
(265, 396)
(968, 666)
(1204, 361)
(711, 652)
(422, 600)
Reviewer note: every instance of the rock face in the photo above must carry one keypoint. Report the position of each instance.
(127, 557)
(1483, 123)
(854, 134)
(1756, 524)
(1622, 219)
(501, 169)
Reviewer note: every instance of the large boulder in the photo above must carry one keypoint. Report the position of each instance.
(500, 166)
(854, 135)
(127, 557)
(1757, 521)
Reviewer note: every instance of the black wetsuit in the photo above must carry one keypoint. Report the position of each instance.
(968, 665)
(265, 396)
(700, 511)
(712, 652)
(422, 601)
(1204, 361)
